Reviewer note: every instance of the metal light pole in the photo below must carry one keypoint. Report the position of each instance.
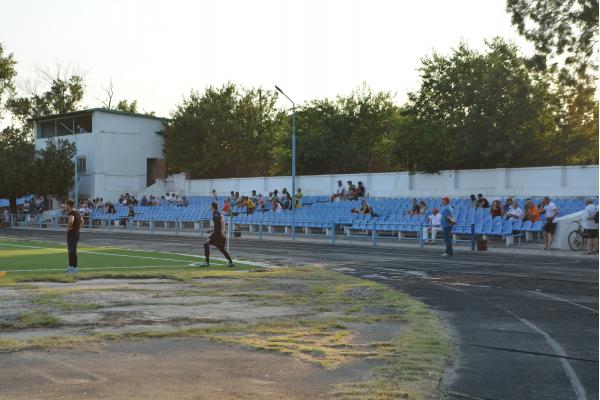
(293, 162)
(76, 167)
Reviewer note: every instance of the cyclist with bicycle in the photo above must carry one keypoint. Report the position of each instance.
(589, 222)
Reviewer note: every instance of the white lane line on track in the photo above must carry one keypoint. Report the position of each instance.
(559, 351)
(556, 347)
(565, 301)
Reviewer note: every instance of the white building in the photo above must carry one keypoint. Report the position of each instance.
(117, 152)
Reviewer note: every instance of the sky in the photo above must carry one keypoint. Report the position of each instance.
(157, 51)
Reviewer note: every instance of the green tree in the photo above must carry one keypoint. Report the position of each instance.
(368, 120)
(126, 106)
(7, 75)
(23, 170)
(567, 28)
(63, 94)
(223, 132)
(321, 145)
(54, 168)
(16, 165)
(487, 110)
(351, 134)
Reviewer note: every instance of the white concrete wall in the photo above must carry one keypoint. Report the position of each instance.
(116, 153)
(536, 181)
(565, 226)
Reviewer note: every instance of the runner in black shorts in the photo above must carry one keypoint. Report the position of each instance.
(217, 238)
(73, 225)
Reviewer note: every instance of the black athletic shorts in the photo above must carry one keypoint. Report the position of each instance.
(550, 227)
(590, 233)
(216, 240)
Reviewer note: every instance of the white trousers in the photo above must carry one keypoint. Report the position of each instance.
(433, 229)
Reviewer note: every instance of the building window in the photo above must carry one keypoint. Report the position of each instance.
(47, 129)
(65, 126)
(81, 165)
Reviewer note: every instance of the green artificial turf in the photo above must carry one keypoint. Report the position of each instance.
(22, 258)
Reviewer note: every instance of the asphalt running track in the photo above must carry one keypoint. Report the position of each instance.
(525, 327)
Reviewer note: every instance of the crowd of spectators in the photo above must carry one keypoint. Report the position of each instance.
(258, 202)
(511, 209)
(349, 191)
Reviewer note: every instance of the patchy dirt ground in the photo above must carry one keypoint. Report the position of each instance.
(321, 334)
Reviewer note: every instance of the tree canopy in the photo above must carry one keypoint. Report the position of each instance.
(225, 131)
(473, 109)
(567, 28)
(23, 170)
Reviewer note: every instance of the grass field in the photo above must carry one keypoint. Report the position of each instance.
(310, 313)
(20, 259)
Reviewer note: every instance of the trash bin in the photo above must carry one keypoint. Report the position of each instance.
(481, 244)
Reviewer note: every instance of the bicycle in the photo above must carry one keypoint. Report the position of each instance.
(576, 238)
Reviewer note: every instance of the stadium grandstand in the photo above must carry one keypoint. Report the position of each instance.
(318, 215)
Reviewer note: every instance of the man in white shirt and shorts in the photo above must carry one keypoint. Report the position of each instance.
(550, 226)
(589, 223)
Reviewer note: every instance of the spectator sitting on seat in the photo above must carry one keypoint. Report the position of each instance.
(109, 208)
(287, 201)
(227, 207)
(434, 222)
(133, 201)
(298, 198)
(250, 206)
(414, 209)
(276, 206)
(551, 211)
(236, 199)
(422, 208)
(144, 201)
(130, 211)
(184, 201)
(589, 223)
(214, 197)
(340, 192)
(496, 210)
(254, 198)
(360, 190)
(239, 200)
(351, 193)
(482, 201)
(365, 208)
(514, 212)
(84, 210)
(474, 202)
(508, 204)
(261, 201)
(532, 213)
(231, 195)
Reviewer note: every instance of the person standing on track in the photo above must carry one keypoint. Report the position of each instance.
(217, 238)
(73, 226)
(447, 223)
(551, 211)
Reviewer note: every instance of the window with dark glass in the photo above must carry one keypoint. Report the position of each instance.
(81, 165)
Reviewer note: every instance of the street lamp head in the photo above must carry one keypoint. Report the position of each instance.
(278, 89)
